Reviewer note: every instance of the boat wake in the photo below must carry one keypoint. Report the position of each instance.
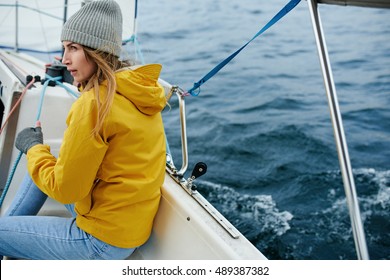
(254, 215)
(286, 235)
(374, 198)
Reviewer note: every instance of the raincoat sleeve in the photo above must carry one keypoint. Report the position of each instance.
(70, 178)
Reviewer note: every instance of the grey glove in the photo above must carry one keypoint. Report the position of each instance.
(28, 138)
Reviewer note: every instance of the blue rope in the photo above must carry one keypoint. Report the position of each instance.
(59, 83)
(138, 51)
(43, 95)
(31, 50)
(16, 163)
(10, 177)
(53, 52)
(69, 90)
(285, 10)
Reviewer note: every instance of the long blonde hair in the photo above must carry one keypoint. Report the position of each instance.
(107, 64)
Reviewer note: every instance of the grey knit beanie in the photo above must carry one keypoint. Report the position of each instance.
(97, 25)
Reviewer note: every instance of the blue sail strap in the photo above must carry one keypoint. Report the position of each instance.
(285, 10)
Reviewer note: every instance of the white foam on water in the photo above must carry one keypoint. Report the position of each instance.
(258, 209)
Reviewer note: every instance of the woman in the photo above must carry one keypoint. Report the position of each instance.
(111, 163)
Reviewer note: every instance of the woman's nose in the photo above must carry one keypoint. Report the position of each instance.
(65, 59)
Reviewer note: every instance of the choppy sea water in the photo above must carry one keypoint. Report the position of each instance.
(262, 124)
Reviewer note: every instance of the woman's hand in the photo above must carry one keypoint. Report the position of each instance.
(29, 137)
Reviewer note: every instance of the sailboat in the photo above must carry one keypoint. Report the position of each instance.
(187, 226)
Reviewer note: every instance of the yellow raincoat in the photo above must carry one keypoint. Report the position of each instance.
(114, 179)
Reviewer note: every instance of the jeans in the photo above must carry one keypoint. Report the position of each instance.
(24, 235)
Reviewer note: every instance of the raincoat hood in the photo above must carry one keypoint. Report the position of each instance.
(140, 86)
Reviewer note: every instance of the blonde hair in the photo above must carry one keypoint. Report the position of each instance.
(107, 65)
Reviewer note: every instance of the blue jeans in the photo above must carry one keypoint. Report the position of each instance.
(26, 236)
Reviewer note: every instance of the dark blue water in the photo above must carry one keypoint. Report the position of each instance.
(263, 126)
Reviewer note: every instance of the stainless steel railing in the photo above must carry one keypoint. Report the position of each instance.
(184, 147)
(341, 144)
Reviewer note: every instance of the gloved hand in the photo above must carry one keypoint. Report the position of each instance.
(28, 138)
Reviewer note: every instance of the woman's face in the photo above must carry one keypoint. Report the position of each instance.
(76, 62)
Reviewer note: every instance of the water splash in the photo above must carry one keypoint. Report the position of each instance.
(259, 212)
(379, 180)
(279, 236)
(373, 187)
